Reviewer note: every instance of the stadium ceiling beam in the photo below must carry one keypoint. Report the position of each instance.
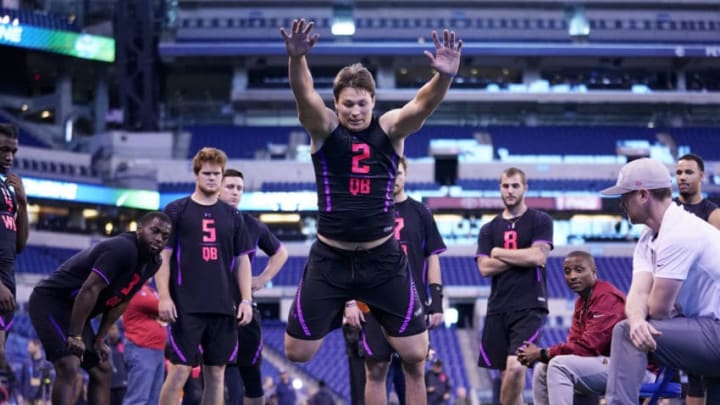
(470, 48)
(481, 96)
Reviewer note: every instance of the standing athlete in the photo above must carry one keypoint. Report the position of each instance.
(417, 232)
(99, 280)
(513, 249)
(13, 232)
(206, 255)
(355, 154)
(689, 172)
(249, 357)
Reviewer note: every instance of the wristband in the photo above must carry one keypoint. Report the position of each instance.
(448, 75)
(246, 302)
(544, 355)
(350, 304)
(75, 337)
(436, 297)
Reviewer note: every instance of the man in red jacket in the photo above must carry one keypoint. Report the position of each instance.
(581, 362)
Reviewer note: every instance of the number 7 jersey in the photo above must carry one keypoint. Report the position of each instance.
(355, 175)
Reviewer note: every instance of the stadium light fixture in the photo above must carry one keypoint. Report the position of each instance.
(343, 24)
(578, 25)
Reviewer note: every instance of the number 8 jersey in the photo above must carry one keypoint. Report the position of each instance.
(355, 175)
(518, 287)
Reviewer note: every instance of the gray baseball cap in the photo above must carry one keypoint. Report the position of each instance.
(647, 174)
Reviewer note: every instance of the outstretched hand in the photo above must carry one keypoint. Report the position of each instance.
(447, 54)
(299, 41)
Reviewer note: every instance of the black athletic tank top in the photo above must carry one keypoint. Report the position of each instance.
(702, 210)
(355, 174)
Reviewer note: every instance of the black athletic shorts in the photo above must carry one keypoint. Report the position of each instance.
(504, 333)
(378, 276)
(50, 317)
(250, 342)
(214, 336)
(373, 343)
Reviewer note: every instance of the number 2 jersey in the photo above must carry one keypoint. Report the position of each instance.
(517, 287)
(205, 239)
(116, 260)
(355, 175)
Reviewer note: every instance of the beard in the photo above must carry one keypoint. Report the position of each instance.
(512, 205)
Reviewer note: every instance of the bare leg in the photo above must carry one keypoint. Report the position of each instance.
(174, 382)
(213, 392)
(66, 370)
(254, 401)
(375, 389)
(513, 382)
(3, 355)
(695, 401)
(299, 350)
(99, 384)
(413, 351)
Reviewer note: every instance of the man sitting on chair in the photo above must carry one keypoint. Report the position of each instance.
(580, 364)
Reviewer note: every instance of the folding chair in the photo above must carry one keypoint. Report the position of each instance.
(663, 387)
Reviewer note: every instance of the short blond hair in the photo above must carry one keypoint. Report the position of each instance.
(209, 155)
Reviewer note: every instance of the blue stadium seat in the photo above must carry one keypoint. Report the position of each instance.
(238, 142)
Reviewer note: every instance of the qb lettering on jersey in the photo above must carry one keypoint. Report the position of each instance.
(359, 184)
(209, 253)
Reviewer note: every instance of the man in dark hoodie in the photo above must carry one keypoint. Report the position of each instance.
(580, 364)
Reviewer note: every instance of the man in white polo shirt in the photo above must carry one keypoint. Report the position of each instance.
(673, 307)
